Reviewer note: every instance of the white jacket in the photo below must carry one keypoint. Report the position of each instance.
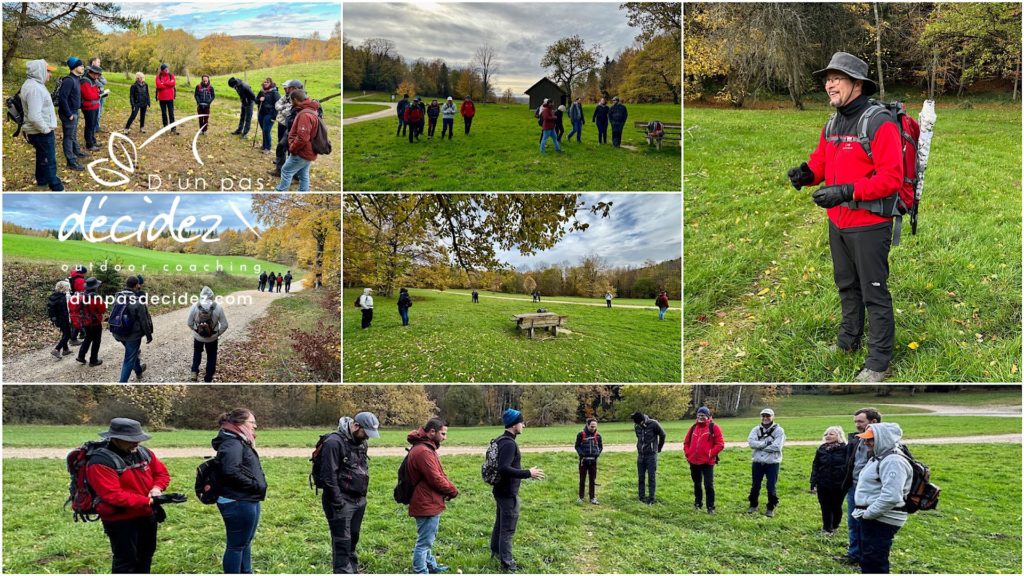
(366, 302)
(40, 117)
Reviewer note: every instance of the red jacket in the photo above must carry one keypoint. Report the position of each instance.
(428, 477)
(86, 309)
(165, 86)
(547, 118)
(697, 444)
(77, 281)
(467, 110)
(303, 129)
(845, 162)
(413, 113)
(127, 496)
(90, 96)
(661, 301)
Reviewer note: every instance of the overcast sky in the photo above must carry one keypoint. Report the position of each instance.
(288, 19)
(519, 32)
(46, 211)
(639, 227)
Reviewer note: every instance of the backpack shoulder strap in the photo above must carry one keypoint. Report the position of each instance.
(830, 126)
(862, 125)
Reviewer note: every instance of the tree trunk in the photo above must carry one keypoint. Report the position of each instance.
(1016, 80)
(931, 81)
(12, 47)
(963, 75)
(878, 52)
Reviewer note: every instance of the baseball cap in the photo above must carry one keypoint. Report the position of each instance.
(367, 421)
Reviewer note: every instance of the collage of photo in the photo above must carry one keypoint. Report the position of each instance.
(577, 287)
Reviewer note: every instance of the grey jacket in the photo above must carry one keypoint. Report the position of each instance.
(40, 117)
(220, 320)
(767, 444)
(885, 480)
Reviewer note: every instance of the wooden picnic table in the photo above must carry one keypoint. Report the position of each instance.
(542, 320)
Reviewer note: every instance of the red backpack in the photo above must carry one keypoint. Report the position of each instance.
(81, 496)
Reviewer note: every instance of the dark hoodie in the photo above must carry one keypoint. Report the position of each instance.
(344, 467)
(57, 305)
(240, 472)
(432, 486)
(650, 436)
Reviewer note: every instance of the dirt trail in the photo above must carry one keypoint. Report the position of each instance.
(390, 112)
(168, 358)
(197, 452)
(545, 301)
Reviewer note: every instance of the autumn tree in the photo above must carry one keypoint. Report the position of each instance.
(315, 222)
(485, 66)
(568, 58)
(547, 405)
(156, 401)
(529, 284)
(393, 405)
(659, 402)
(654, 18)
(464, 405)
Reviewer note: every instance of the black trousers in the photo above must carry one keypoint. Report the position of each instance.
(133, 543)
(831, 502)
(141, 113)
(345, 521)
(468, 120)
(431, 125)
(93, 336)
(65, 335)
(167, 111)
(245, 119)
(860, 266)
(588, 469)
(211, 358)
(367, 317)
(647, 467)
(506, 519)
(281, 151)
(705, 473)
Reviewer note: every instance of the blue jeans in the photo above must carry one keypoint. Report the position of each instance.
(853, 526)
(266, 123)
(294, 166)
(240, 520)
(758, 472)
(544, 138)
(46, 160)
(422, 555)
(647, 464)
(99, 113)
(69, 139)
(131, 359)
(577, 129)
(875, 543)
(661, 313)
(404, 313)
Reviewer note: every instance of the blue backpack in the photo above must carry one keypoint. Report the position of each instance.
(120, 321)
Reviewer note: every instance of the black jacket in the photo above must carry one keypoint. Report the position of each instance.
(205, 95)
(828, 471)
(269, 99)
(404, 301)
(589, 445)
(138, 95)
(57, 306)
(344, 467)
(508, 467)
(618, 114)
(245, 93)
(69, 97)
(600, 114)
(650, 437)
(241, 475)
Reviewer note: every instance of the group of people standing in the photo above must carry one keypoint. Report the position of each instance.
(412, 114)
(268, 281)
(552, 121)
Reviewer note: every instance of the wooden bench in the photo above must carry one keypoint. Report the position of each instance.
(672, 132)
(541, 320)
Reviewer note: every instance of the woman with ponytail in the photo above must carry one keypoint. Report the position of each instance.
(242, 484)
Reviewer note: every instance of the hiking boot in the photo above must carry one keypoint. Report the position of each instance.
(83, 154)
(80, 360)
(836, 348)
(698, 506)
(439, 569)
(236, 132)
(770, 512)
(76, 167)
(96, 363)
(142, 130)
(868, 375)
(276, 173)
(75, 342)
(846, 559)
(594, 501)
(195, 376)
(711, 510)
(579, 500)
(142, 368)
(509, 568)
(65, 352)
(56, 354)
(93, 148)
(752, 510)
(651, 501)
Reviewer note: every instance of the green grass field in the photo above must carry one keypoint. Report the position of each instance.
(761, 305)
(353, 110)
(502, 153)
(17, 246)
(976, 529)
(449, 339)
(228, 162)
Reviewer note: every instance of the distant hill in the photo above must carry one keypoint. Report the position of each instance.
(257, 39)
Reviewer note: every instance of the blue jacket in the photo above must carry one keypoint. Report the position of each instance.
(589, 446)
(205, 96)
(618, 114)
(402, 105)
(69, 97)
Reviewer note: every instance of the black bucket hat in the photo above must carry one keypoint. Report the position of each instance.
(92, 283)
(851, 66)
(126, 429)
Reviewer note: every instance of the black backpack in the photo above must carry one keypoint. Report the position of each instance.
(319, 141)
(923, 494)
(204, 321)
(316, 481)
(404, 488)
(208, 481)
(16, 110)
(55, 94)
(489, 469)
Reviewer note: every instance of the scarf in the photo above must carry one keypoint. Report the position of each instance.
(246, 433)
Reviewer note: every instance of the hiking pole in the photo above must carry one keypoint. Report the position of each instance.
(258, 128)
(926, 119)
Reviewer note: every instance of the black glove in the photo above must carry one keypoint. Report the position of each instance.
(800, 176)
(149, 338)
(171, 498)
(831, 196)
(158, 512)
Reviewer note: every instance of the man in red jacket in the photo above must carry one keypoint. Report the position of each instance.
(300, 142)
(702, 445)
(468, 110)
(87, 310)
(165, 93)
(857, 186)
(126, 478)
(431, 489)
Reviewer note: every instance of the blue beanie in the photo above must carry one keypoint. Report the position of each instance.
(511, 417)
(704, 410)
(73, 63)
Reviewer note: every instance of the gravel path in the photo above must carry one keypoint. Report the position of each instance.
(168, 358)
(196, 452)
(389, 113)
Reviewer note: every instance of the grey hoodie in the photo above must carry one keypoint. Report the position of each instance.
(885, 480)
(40, 118)
(220, 320)
(767, 447)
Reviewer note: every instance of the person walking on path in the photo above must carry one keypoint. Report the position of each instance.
(87, 310)
(403, 104)
(262, 281)
(617, 115)
(881, 495)
(703, 443)
(138, 97)
(432, 489)
(57, 310)
(204, 95)
(433, 111)
(861, 184)
(404, 303)
(468, 110)
(165, 94)
(69, 105)
(288, 282)
(344, 474)
(208, 323)
(447, 118)
(576, 117)
(280, 280)
(41, 123)
(589, 447)
(662, 303)
(366, 306)
(77, 281)
(650, 440)
(243, 487)
(766, 440)
(857, 455)
(506, 491)
(828, 471)
(128, 480)
(136, 311)
(247, 99)
(600, 119)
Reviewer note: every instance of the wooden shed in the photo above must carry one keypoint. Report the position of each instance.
(545, 88)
